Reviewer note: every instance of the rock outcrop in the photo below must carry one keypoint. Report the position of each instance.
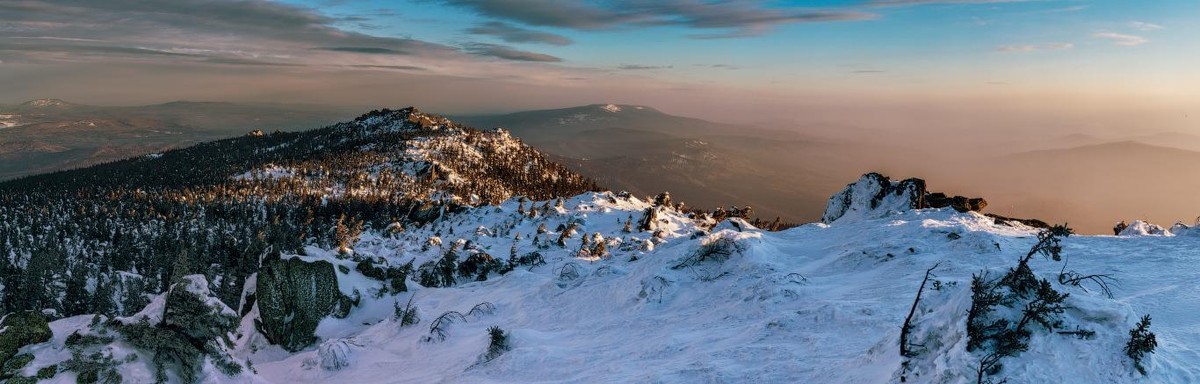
(874, 195)
(959, 203)
(1142, 228)
(293, 296)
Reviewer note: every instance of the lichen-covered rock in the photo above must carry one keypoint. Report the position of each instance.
(872, 196)
(20, 329)
(293, 296)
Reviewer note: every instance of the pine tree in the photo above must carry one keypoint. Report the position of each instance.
(1141, 342)
(76, 299)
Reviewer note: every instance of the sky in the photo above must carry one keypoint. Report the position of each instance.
(879, 60)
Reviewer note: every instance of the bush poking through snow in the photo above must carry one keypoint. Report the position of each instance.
(1073, 278)
(336, 354)
(482, 309)
(408, 314)
(1036, 299)
(1141, 342)
(498, 343)
(716, 249)
(568, 272)
(441, 325)
(97, 367)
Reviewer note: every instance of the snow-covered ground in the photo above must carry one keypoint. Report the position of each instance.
(814, 304)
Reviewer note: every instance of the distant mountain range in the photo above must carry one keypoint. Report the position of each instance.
(1091, 186)
(49, 134)
(1086, 179)
(779, 173)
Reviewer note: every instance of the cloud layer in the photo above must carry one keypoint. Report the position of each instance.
(1035, 47)
(222, 32)
(514, 34)
(719, 19)
(1121, 39)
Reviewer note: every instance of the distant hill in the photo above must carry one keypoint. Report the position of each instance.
(1090, 186)
(47, 135)
(1172, 139)
(781, 173)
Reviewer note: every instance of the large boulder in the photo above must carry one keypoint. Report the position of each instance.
(293, 297)
(959, 203)
(873, 196)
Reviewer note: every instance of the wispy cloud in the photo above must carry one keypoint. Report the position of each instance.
(508, 53)
(366, 50)
(1144, 26)
(515, 34)
(727, 19)
(922, 2)
(637, 67)
(1035, 47)
(1073, 8)
(1121, 39)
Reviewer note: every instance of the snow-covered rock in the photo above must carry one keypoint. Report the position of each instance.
(874, 196)
(1142, 228)
(1181, 229)
(336, 354)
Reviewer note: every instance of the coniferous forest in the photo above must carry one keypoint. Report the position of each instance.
(104, 239)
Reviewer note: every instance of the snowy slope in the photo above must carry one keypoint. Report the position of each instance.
(818, 303)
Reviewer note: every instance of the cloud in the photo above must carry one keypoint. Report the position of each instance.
(923, 2)
(393, 67)
(1144, 26)
(514, 34)
(1121, 39)
(244, 50)
(636, 67)
(867, 71)
(1035, 47)
(225, 32)
(735, 18)
(366, 50)
(507, 53)
(1073, 8)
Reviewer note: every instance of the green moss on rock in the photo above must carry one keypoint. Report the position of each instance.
(20, 329)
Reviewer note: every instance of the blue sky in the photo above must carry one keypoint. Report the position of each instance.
(695, 57)
(959, 43)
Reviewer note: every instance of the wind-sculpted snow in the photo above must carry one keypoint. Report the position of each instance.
(820, 303)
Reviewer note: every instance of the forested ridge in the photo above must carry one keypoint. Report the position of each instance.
(105, 239)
